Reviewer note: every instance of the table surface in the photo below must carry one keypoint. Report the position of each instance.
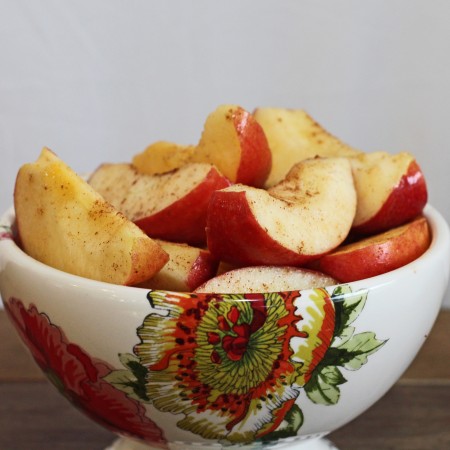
(413, 415)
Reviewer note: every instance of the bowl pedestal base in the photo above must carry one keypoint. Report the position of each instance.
(307, 444)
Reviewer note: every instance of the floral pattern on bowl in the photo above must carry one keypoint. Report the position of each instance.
(234, 368)
(5, 232)
(80, 377)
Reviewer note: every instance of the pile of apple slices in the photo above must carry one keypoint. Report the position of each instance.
(265, 201)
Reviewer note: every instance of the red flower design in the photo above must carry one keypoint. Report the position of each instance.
(79, 377)
(233, 365)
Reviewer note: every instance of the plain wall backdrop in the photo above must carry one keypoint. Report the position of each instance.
(98, 80)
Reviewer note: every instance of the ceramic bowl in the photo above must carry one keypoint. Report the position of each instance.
(185, 371)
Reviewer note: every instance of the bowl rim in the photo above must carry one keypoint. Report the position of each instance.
(11, 252)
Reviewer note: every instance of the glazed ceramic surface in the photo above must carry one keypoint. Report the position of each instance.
(177, 370)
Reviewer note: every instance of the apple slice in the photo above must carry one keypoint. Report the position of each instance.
(378, 254)
(169, 206)
(293, 136)
(162, 157)
(306, 215)
(391, 190)
(225, 267)
(65, 224)
(234, 141)
(188, 268)
(258, 279)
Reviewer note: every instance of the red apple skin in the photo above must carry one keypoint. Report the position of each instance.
(198, 271)
(377, 254)
(256, 158)
(405, 202)
(204, 268)
(234, 235)
(185, 219)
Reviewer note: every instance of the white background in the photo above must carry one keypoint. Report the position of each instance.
(99, 80)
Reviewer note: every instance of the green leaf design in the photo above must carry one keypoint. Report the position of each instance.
(348, 307)
(346, 334)
(289, 427)
(323, 385)
(130, 380)
(354, 352)
(347, 350)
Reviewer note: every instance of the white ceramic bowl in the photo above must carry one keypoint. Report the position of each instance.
(184, 371)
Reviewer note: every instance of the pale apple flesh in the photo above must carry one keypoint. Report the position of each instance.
(169, 206)
(187, 268)
(236, 144)
(64, 223)
(257, 279)
(162, 157)
(293, 135)
(391, 190)
(377, 254)
(232, 140)
(308, 214)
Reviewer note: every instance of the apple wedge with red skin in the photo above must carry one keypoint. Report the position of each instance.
(188, 267)
(232, 140)
(265, 279)
(64, 223)
(391, 190)
(236, 144)
(303, 217)
(170, 206)
(377, 254)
